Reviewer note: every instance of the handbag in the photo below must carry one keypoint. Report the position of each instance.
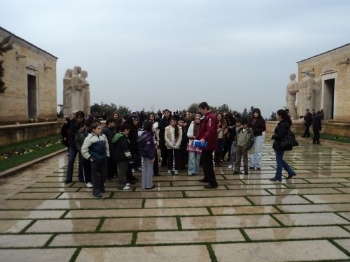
(289, 141)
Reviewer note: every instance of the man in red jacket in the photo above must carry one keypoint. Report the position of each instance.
(208, 133)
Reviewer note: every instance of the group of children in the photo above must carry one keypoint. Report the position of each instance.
(105, 151)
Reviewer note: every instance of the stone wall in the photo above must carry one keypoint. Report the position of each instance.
(10, 134)
(30, 78)
(330, 65)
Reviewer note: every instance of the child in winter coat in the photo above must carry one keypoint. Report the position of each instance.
(122, 155)
(173, 136)
(95, 148)
(243, 143)
(147, 149)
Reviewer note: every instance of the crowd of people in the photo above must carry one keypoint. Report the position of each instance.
(125, 145)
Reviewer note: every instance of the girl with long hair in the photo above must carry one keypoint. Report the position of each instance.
(281, 131)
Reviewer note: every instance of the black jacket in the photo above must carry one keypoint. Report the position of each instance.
(281, 131)
(317, 122)
(258, 125)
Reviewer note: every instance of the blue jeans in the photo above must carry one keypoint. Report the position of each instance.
(255, 158)
(280, 163)
(73, 151)
(219, 148)
(193, 162)
(232, 154)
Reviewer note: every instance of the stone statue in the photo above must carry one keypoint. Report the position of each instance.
(76, 91)
(306, 91)
(85, 90)
(67, 100)
(291, 97)
(317, 88)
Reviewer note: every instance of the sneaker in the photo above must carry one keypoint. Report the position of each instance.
(229, 167)
(251, 168)
(290, 176)
(258, 168)
(99, 195)
(211, 186)
(89, 185)
(169, 172)
(126, 187)
(127, 184)
(176, 172)
(275, 179)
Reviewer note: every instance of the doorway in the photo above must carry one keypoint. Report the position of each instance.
(328, 105)
(32, 96)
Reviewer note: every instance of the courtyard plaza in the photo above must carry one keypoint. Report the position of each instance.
(247, 218)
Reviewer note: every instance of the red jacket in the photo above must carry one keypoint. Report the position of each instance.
(208, 131)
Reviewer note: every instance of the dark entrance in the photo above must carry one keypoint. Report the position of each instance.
(329, 98)
(32, 96)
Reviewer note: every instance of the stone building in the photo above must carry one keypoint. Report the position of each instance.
(327, 77)
(30, 78)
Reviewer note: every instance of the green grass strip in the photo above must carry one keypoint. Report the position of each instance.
(99, 226)
(134, 238)
(212, 253)
(16, 160)
(75, 255)
(244, 234)
(178, 222)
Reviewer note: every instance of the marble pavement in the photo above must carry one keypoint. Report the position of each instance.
(248, 218)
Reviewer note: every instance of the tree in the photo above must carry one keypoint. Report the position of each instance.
(245, 113)
(224, 108)
(193, 108)
(5, 45)
(273, 117)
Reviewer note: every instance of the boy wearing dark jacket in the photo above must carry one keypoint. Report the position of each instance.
(123, 157)
(109, 132)
(79, 141)
(95, 148)
(243, 142)
(74, 126)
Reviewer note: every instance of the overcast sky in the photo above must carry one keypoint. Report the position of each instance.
(169, 54)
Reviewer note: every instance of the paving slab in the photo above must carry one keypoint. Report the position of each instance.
(278, 251)
(97, 239)
(196, 202)
(311, 219)
(37, 255)
(66, 225)
(131, 224)
(146, 254)
(22, 241)
(238, 221)
(146, 212)
(178, 237)
(289, 233)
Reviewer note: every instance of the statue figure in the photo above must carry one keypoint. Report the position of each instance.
(291, 97)
(85, 89)
(76, 91)
(67, 99)
(317, 88)
(306, 91)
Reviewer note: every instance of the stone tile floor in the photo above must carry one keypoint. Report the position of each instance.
(248, 218)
